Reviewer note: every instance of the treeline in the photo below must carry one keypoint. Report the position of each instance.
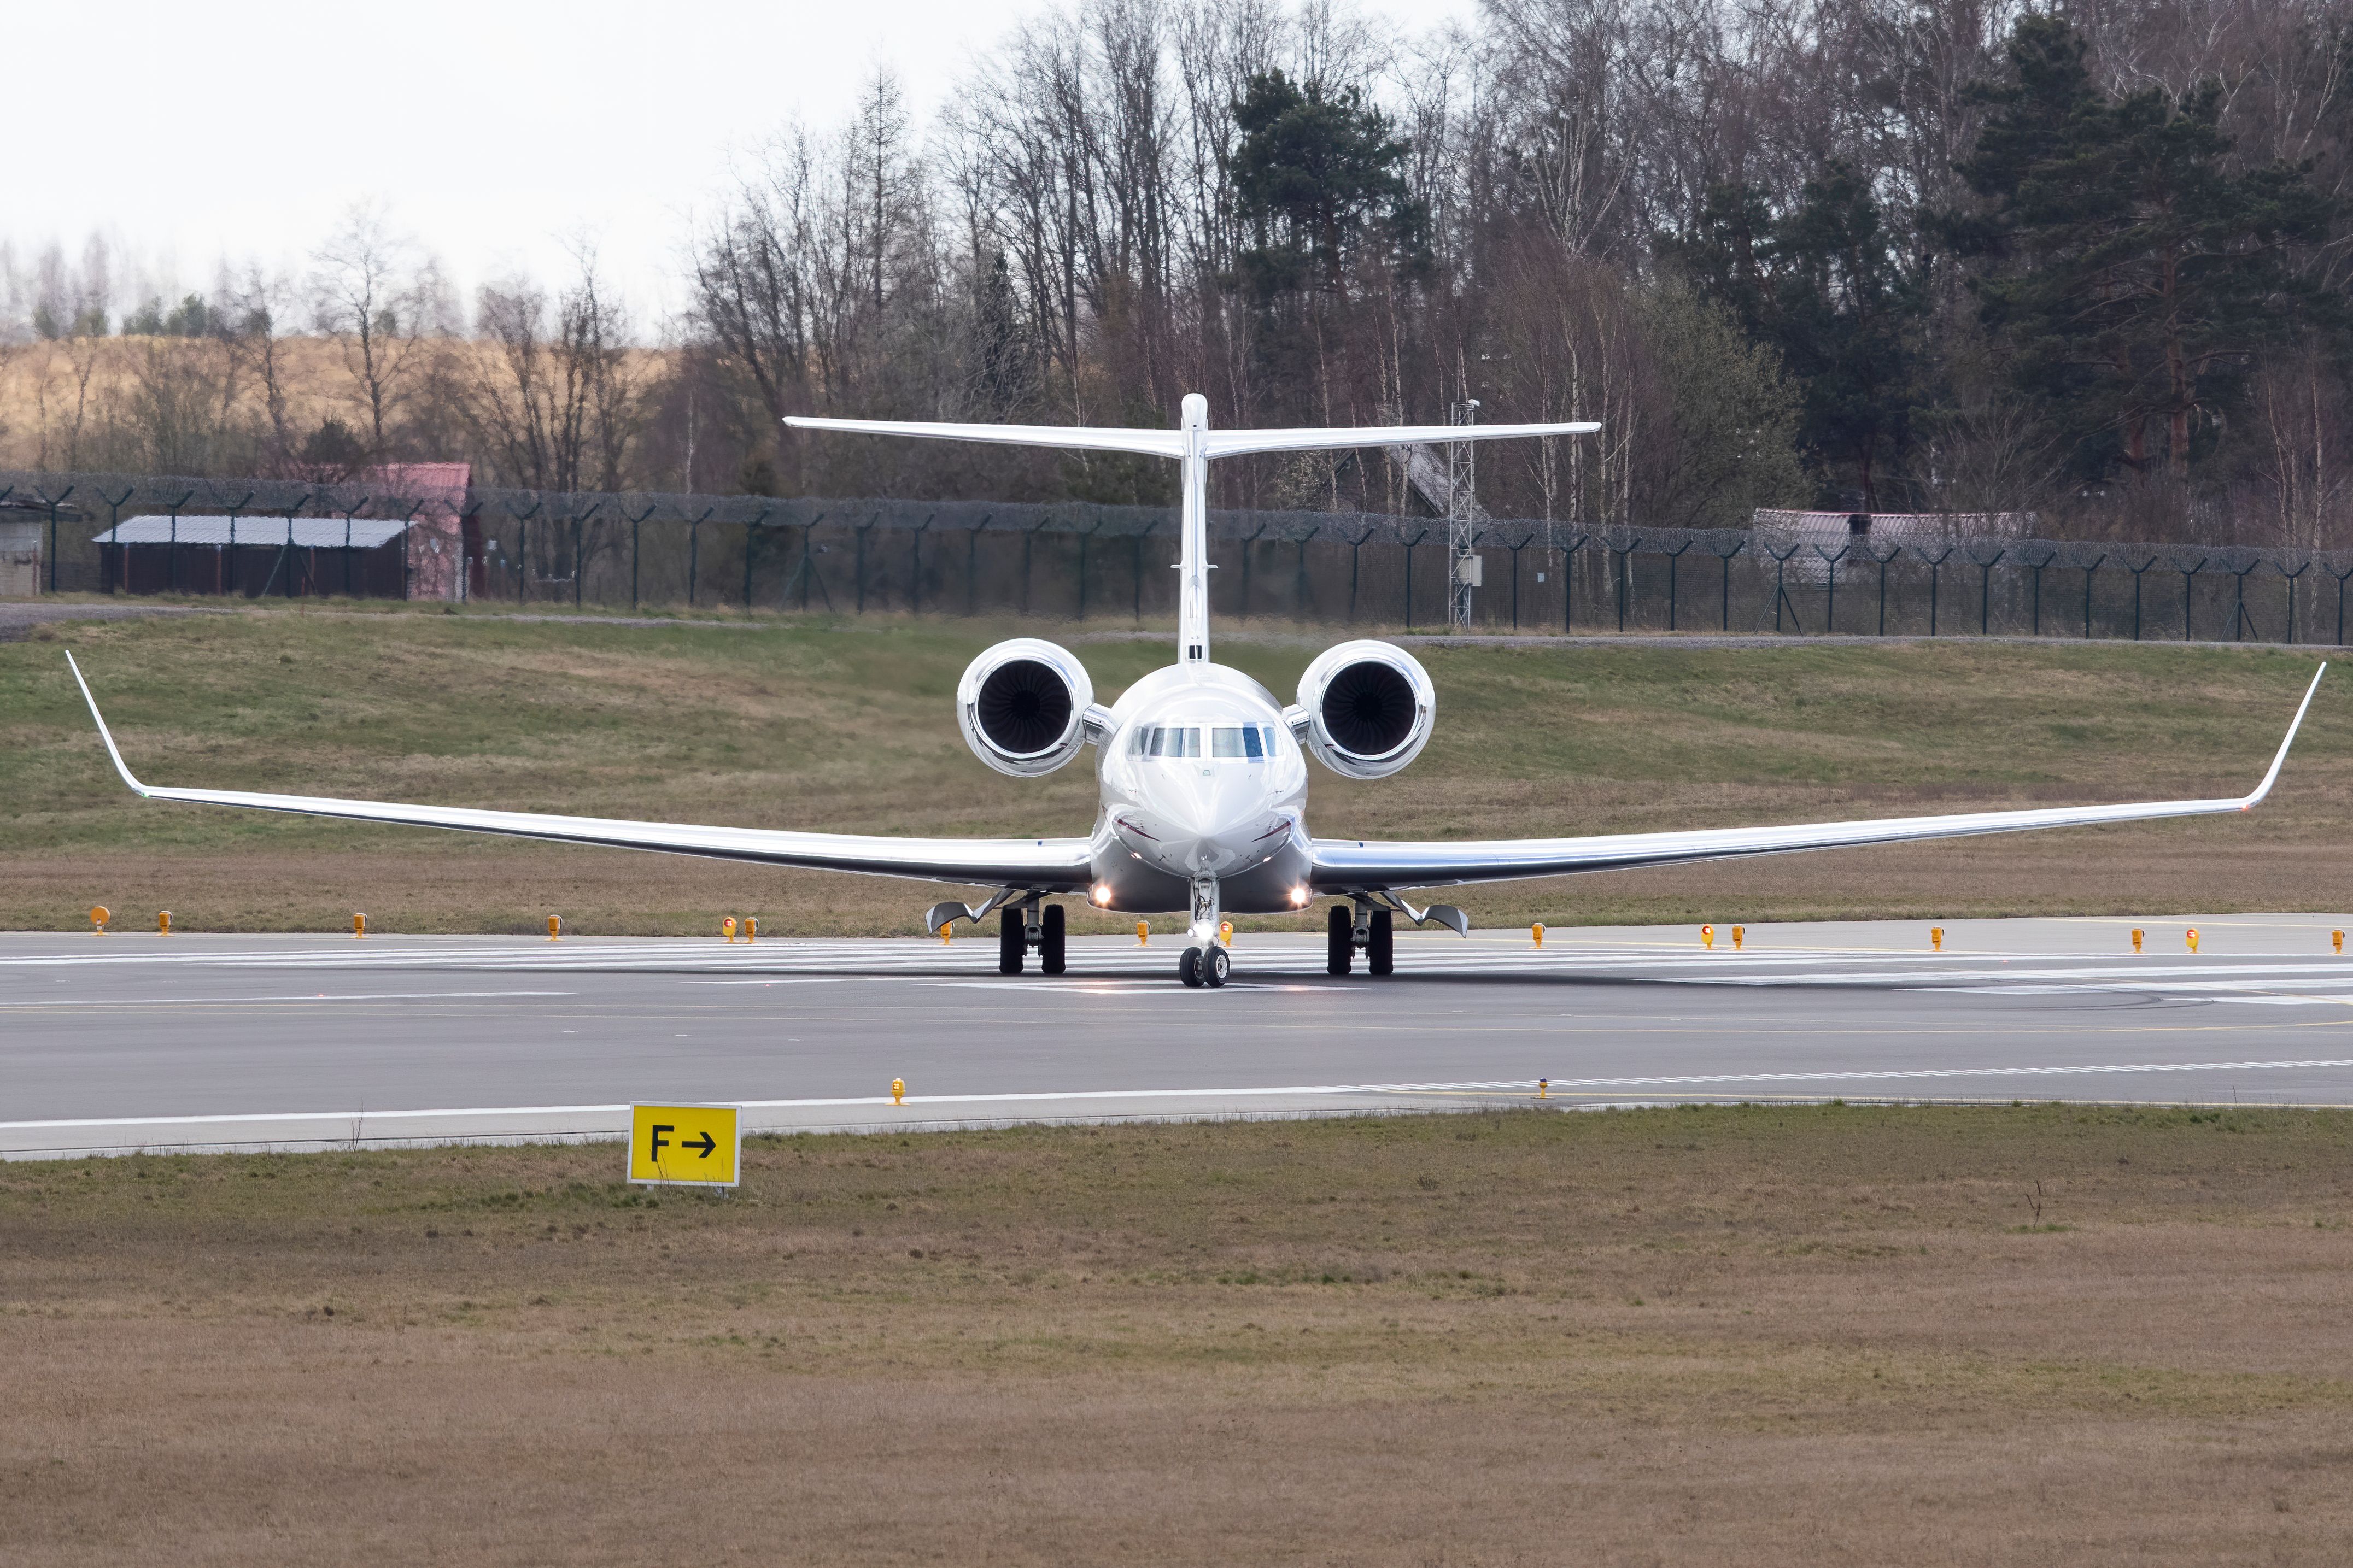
(1940, 255)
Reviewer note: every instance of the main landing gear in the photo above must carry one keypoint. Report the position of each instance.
(1032, 924)
(1370, 928)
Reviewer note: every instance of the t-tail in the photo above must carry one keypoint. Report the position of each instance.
(1193, 445)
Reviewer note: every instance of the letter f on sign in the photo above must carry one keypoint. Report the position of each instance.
(658, 1141)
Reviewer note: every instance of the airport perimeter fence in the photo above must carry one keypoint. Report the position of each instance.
(1070, 561)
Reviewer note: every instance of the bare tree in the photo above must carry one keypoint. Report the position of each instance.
(558, 407)
(385, 304)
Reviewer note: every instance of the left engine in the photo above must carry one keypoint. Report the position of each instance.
(1024, 706)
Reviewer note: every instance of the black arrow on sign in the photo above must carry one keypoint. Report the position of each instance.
(707, 1145)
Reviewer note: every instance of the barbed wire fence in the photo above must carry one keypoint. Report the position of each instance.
(1074, 562)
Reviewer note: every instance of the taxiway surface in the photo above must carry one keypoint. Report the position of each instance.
(129, 1041)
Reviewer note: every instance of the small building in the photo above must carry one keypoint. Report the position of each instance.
(1816, 543)
(20, 555)
(256, 556)
(24, 541)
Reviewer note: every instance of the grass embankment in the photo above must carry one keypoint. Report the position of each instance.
(850, 727)
(1783, 1335)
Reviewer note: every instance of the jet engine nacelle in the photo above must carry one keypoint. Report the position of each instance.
(1025, 706)
(1365, 709)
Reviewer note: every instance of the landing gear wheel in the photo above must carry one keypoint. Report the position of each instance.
(1049, 939)
(1380, 945)
(1216, 963)
(1012, 945)
(1189, 966)
(1343, 954)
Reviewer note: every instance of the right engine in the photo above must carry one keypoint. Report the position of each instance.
(1024, 706)
(1366, 708)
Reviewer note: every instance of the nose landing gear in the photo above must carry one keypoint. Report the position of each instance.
(1205, 961)
(1209, 966)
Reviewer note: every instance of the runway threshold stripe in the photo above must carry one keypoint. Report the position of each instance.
(1290, 1091)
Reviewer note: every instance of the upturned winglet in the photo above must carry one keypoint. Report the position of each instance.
(112, 749)
(2272, 776)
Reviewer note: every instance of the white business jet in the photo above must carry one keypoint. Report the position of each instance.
(1203, 771)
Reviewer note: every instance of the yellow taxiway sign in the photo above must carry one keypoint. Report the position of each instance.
(685, 1145)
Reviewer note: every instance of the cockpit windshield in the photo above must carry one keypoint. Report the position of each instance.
(1247, 742)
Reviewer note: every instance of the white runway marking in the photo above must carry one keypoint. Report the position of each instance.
(1490, 1086)
(318, 997)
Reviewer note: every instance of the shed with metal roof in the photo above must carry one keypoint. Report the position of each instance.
(256, 556)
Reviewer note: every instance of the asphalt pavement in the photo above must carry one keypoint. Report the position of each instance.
(132, 1040)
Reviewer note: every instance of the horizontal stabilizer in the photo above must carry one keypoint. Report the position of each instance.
(1090, 437)
(1214, 443)
(1235, 443)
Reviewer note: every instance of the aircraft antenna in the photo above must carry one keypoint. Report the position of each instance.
(1462, 517)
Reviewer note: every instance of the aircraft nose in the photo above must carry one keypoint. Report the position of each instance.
(1216, 817)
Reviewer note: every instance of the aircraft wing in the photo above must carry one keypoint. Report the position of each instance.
(1342, 865)
(1044, 864)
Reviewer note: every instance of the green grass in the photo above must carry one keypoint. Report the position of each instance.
(849, 725)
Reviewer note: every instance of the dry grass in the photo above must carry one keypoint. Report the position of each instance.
(1756, 1335)
(789, 723)
(74, 403)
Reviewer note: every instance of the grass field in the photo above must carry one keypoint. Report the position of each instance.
(849, 726)
(1762, 1335)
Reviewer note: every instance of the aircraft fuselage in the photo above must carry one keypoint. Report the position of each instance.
(1200, 777)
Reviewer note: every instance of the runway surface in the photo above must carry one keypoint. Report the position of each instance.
(132, 1040)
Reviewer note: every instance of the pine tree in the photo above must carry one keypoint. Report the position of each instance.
(1825, 287)
(2134, 275)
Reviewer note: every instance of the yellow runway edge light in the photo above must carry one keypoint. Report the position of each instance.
(2193, 939)
(1937, 939)
(2138, 935)
(359, 926)
(727, 929)
(898, 1092)
(1739, 934)
(685, 1145)
(163, 922)
(1707, 938)
(1535, 933)
(98, 915)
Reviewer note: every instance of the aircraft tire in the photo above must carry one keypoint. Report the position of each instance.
(1012, 945)
(1216, 965)
(1342, 956)
(1189, 966)
(1380, 947)
(1051, 952)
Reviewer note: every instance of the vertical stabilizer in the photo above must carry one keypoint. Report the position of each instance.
(1193, 557)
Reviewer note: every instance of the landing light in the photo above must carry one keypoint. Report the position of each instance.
(1298, 897)
(1103, 894)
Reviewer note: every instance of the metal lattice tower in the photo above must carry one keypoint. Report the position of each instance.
(1463, 516)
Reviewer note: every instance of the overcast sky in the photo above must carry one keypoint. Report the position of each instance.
(492, 129)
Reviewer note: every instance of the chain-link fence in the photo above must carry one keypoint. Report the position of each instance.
(1089, 563)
